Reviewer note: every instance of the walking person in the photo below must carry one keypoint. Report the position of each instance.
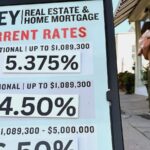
(144, 49)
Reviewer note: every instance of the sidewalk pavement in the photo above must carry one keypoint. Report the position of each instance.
(136, 122)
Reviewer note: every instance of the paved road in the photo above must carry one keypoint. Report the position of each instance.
(136, 122)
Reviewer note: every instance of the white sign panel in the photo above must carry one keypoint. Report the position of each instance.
(53, 77)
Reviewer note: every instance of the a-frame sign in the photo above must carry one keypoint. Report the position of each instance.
(58, 76)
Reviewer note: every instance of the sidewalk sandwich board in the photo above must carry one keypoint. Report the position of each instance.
(58, 84)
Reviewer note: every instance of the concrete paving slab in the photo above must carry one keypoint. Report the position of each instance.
(136, 122)
(145, 132)
(134, 140)
(139, 122)
(134, 104)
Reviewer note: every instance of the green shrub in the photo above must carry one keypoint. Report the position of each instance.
(144, 73)
(126, 82)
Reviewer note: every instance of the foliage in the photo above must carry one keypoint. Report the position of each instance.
(144, 73)
(126, 82)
